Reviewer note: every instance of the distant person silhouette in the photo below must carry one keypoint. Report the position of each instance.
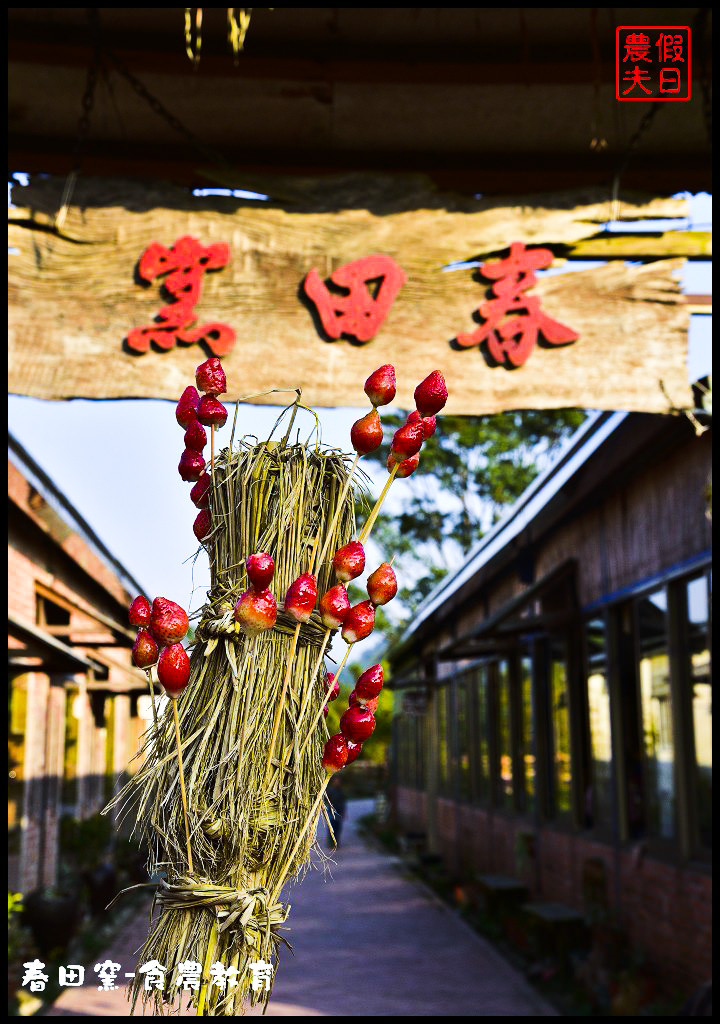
(337, 800)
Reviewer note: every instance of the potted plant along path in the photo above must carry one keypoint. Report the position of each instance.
(235, 768)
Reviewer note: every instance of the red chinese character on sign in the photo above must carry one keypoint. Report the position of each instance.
(636, 77)
(637, 47)
(670, 49)
(185, 263)
(670, 80)
(361, 312)
(514, 320)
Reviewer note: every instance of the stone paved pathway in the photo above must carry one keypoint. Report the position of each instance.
(368, 942)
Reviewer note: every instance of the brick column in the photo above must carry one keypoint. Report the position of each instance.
(34, 772)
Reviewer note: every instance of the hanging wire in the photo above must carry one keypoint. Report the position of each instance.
(700, 35)
(645, 121)
(83, 126)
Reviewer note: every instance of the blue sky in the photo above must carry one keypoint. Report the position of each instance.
(116, 461)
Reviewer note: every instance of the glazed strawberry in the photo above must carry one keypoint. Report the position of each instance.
(380, 385)
(187, 407)
(145, 650)
(191, 465)
(354, 701)
(366, 434)
(431, 394)
(382, 584)
(202, 525)
(359, 622)
(301, 597)
(405, 468)
(200, 493)
(357, 724)
(326, 711)
(354, 751)
(333, 688)
(210, 377)
(169, 622)
(334, 606)
(256, 612)
(140, 612)
(195, 436)
(429, 423)
(408, 441)
(174, 670)
(335, 754)
(370, 683)
(349, 561)
(211, 412)
(260, 569)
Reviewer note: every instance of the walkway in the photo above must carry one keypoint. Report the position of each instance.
(368, 942)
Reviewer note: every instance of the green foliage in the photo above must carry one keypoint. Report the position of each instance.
(471, 470)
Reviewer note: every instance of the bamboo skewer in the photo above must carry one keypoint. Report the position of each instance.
(284, 873)
(182, 784)
(367, 528)
(320, 715)
(338, 511)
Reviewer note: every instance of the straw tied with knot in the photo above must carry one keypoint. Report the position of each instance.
(232, 776)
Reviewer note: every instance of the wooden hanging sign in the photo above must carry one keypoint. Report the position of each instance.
(145, 281)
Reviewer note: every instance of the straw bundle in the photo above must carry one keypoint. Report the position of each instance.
(249, 829)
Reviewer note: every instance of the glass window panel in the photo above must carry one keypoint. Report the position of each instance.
(481, 756)
(441, 720)
(461, 706)
(505, 773)
(528, 736)
(559, 702)
(654, 671)
(598, 805)
(701, 682)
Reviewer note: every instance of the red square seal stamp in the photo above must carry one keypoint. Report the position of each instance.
(653, 64)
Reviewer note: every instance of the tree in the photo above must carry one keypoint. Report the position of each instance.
(470, 471)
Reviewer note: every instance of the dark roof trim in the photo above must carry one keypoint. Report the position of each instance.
(56, 648)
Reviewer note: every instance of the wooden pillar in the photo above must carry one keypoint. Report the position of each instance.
(81, 710)
(54, 764)
(30, 874)
(431, 761)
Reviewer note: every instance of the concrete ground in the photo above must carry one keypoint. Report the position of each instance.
(368, 942)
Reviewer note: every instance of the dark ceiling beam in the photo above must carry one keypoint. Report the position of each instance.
(465, 173)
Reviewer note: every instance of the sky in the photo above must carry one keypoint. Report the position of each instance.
(116, 461)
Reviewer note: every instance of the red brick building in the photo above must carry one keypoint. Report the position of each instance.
(77, 705)
(556, 690)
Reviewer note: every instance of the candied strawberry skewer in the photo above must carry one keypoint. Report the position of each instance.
(366, 434)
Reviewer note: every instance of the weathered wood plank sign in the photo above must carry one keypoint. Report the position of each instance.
(75, 297)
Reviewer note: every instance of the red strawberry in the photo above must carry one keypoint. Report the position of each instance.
(326, 711)
(333, 688)
(366, 434)
(357, 724)
(334, 606)
(335, 754)
(408, 441)
(211, 412)
(359, 622)
(169, 623)
(301, 597)
(429, 423)
(195, 436)
(187, 407)
(145, 650)
(431, 394)
(200, 493)
(380, 385)
(210, 377)
(140, 612)
(256, 611)
(191, 465)
(202, 525)
(354, 751)
(370, 683)
(382, 584)
(349, 561)
(405, 468)
(174, 670)
(260, 569)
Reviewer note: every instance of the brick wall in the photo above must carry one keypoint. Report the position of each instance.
(665, 908)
